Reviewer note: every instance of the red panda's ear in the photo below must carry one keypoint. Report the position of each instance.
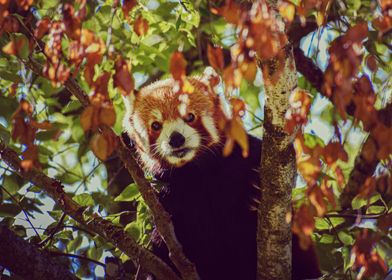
(210, 77)
(129, 101)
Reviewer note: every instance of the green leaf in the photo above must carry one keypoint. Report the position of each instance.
(65, 235)
(327, 239)
(68, 178)
(358, 202)
(312, 140)
(10, 76)
(84, 199)
(46, 135)
(56, 214)
(322, 223)
(95, 252)
(24, 51)
(11, 183)
(346, 238)
(347, 260)
(375, 209)
(75, 243)
(133, 229)
(130, 193)
(71, 106)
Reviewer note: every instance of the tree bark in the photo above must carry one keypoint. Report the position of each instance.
(27, 261)
(277, 173)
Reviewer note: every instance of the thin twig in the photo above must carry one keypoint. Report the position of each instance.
(61, 254)
(335, 231)
(53, 231)
(23, 210)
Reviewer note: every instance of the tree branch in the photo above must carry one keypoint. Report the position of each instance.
(26, 260)
(94, 223)
(297, 30)
(161, 217)
(309, 69)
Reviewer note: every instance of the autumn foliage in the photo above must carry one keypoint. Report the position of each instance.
(110, 49)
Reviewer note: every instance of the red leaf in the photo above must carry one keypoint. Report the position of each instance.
(127, 6)
(122, 78)
(140, 26)
(42, 28)
(177, 66)
(215, 57)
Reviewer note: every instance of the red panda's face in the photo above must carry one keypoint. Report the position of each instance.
(170, 127)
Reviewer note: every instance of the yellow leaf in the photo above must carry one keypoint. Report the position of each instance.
(287, 11)
(319, 18)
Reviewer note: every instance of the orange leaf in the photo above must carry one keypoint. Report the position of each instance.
(30, 158)
(140, 26)
(99, 146)
(334, 151)
(103, 145)
(230, 11)
(371, 63)
(238, 106)
(215, 57)
(310, 169)
(86, 118)
(237, 133)
(42, 27)
(100, 85)
(303, 225)
(107, 115)
(368, 188)
(177, 66)
(122, 78)
(317, 199)
(45, 125)
(14, 46)
(249, 70)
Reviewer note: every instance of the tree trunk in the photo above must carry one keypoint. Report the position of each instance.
(277, 172)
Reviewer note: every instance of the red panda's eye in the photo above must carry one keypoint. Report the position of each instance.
(190, 117)
(156, 126)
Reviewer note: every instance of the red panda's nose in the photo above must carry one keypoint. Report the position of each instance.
(176, 140)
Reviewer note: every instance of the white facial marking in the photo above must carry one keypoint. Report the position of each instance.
(192, 142)
(182, 109)
(177, 161)
(209, 125)
(184, 102)
(128, 102)
(184, 98)
(141, 130)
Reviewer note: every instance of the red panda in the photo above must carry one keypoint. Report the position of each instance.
(208, 196)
